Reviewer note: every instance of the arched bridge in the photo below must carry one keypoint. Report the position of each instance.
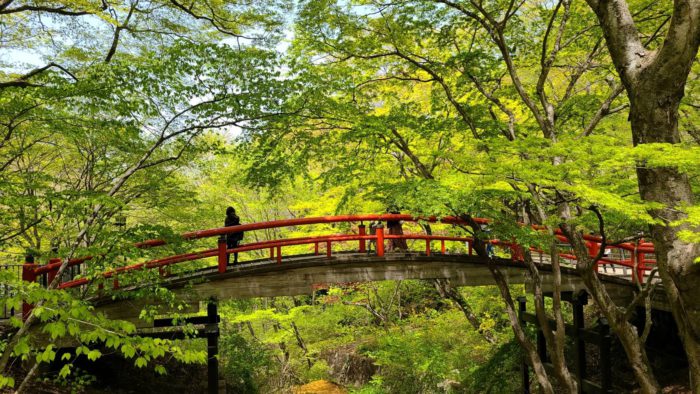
(282, 267)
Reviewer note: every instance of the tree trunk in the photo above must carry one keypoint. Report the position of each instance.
(654, 117)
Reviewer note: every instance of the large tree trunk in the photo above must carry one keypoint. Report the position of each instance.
(654, 117)
(655, 83)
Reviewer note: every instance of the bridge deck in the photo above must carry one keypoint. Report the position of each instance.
(300, 275)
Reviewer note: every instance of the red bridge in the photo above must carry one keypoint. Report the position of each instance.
(283, 273)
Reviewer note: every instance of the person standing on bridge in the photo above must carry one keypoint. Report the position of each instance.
(395, 228)
(232, 239)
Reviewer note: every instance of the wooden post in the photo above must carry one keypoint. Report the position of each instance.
(427, 247)
(272, 253)
(380, 240)
(469, 245)
(222, 254)
(362, 231)
(328, 249)
(279, 254)
(442, 246)
(316, 248)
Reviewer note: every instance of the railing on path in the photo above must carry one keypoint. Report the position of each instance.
(6, 290)
(633, 256)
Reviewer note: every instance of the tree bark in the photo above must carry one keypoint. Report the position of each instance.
(654, 118)
(655, 83)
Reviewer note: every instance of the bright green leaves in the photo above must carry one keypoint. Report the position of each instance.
(65, 370)
(22, 348)
(47, 355)
(6, 381)
(55, 329)
(128, 351)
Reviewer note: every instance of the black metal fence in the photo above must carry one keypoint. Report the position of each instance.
(7, 291)
(599, 336)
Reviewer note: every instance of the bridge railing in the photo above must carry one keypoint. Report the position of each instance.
(637, 260)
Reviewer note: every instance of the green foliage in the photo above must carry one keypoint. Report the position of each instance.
(73, 380)
(422, 343)
(246, 364)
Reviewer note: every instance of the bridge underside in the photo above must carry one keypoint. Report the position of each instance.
(300, 275)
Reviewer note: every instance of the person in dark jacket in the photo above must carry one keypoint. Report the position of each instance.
(232, 239)
(395, 228)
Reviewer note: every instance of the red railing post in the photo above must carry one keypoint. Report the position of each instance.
(363, 247)
(469, 246)
(593, 249)
(28, 275)
(279, 254)
(442, 246)
(517, 253)
(222, 255)
(380, 240)
(427, 247)
(328, 249)
(52, 274)
(316, 248)
(115, 283)
(641, 265)
(272, 253)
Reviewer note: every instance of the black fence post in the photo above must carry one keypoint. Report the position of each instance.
(604, 346)
(577, 303)
(212, 332)
(524, 369)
